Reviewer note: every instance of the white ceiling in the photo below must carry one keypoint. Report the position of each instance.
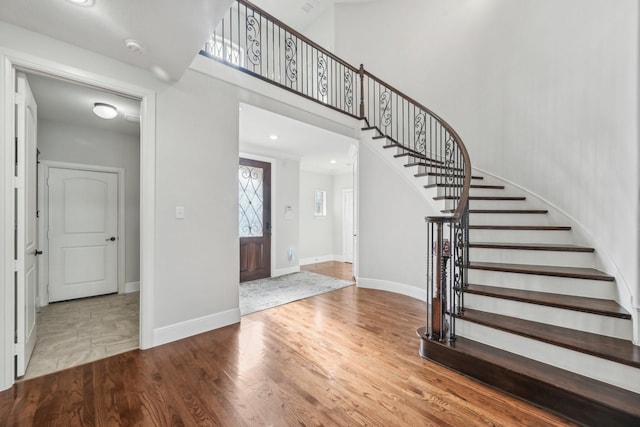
(313, 146)
(299, 14)
(65, 102)
(172, 31)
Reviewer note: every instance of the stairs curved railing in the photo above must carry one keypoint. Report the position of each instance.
(256, 43)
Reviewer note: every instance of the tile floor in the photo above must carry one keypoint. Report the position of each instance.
(71, 333)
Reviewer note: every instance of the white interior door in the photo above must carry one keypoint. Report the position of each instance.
(83, 227)
(347, 225)
(26, 232)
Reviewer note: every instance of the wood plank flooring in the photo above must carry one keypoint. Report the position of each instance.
(345, 358)
(339, 270)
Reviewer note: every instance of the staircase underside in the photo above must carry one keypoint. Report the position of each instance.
(576, 397)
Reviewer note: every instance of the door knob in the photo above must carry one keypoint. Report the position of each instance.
(113, 239)
(37, 252)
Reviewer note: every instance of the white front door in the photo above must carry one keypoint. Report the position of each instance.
(347, 225)
(83, 227)
(26, 232)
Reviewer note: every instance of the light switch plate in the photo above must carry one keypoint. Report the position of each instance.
(179, 212)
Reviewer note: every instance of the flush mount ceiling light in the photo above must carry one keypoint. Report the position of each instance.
(104, 111)
(84, 3)
(134, 46)
(333, 162)
(273, 137)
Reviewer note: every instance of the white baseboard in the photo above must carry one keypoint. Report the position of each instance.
(397, 288)
(131, 287)
(282, 271)
(321, 258)
(178, 331)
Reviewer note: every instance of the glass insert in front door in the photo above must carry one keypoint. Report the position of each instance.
(251, 203)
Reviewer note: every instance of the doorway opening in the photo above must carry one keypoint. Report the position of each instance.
(87, 221)
(311, 167)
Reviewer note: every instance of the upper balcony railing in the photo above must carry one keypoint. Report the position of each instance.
(260, 45)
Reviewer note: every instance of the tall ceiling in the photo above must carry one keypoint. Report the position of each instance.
(171, 33)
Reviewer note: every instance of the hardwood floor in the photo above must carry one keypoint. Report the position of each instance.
(345, 358)
(339, 270)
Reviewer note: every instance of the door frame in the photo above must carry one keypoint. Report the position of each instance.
(13, 61)
(43, 265)
(345, 236)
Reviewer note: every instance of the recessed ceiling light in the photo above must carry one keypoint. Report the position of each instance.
(333, 162)
(104, 111)
(273, 137)
(84, 3)
(134, 46)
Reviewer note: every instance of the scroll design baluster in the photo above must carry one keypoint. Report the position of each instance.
(385, 109)
(348, 88)
(253, 39)
(291, 67)
(323, 85)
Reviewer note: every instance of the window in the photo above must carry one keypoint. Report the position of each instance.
(320, 203)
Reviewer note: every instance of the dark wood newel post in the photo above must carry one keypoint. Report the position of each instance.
(362, 91)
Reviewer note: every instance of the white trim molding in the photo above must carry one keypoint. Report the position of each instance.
(395, 287)
(321, 258)
(178, 331)
(131, 287)
(283, 271)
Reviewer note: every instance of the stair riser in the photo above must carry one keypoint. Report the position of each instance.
(499, 204)
(517, 256)
(509, 219)
(520, 236)
(550, 284)
(587, 322)
(589, 366)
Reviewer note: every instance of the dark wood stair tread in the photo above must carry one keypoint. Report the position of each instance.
(614, 349)
(585, 400)
(531, 246)
(521, 227)
(418, 156)
(504, 211)
(369, 128)
(493, 198)
(433, 163)
(543, 270)
(569, 302)
(508, 211)
(495, 187)
(421, 174)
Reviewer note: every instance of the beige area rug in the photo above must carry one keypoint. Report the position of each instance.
(261, 294)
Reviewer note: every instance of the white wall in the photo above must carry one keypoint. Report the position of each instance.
(287, 228)
(322, 30)
(76, 144)
(392, 233)
(316, 232)
(544, 94)
(340, 182)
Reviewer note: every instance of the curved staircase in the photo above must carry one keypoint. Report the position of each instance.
(514, 300)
